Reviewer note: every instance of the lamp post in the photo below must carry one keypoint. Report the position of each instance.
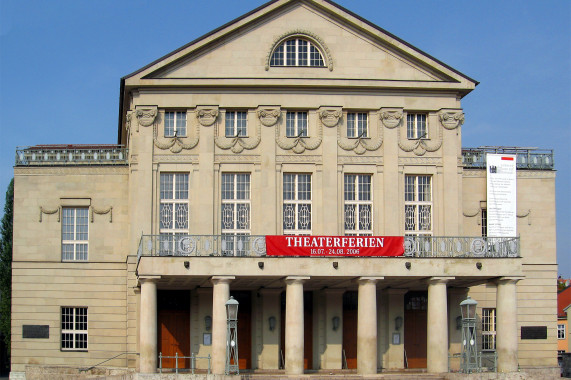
(470, 355)
(232, 337)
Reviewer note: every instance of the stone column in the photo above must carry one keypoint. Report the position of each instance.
(367, 326)
(506, 324)
(437, 325)
(148, 327)
(294, 325)
(220, 294)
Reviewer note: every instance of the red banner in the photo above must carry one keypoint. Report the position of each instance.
(326, 246)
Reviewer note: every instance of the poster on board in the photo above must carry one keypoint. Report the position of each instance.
(501, 195)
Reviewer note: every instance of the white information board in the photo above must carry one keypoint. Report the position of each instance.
(501, 195)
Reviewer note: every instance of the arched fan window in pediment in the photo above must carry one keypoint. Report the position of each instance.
(297, 52)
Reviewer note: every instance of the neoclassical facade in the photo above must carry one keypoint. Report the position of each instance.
(307, 163)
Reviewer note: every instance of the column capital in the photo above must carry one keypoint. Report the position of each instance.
(440, 280)
(147, 279)
(296, 279)
(509, 279)
(222, 279)
(364, 280)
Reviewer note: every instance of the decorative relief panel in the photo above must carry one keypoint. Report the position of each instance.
(330, 116)
(268, 115)
(175, 158)
(391, 117)
(360, 160)
(360, 144)
(451, 118)
(50, 212)
(146, 115)
(299, 159)
(206, 115)
(420, 146)
(299, 144)
(243, 158)
(238, 143)
(177, 143)
(103, 211)
(420, 161)
(303, 34)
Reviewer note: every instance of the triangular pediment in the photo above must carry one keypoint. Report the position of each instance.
(354, 50)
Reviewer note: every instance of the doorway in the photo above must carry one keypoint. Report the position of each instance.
(350, 329)
(244, 328)
(415, 325)
(173, 320)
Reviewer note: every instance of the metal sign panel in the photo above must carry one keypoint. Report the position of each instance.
(501, 195)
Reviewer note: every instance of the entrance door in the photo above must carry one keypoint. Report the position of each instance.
(350, 328)
(415, 324)
(244, 328)
(173, 320)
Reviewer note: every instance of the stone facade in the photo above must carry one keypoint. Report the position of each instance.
(321, 313)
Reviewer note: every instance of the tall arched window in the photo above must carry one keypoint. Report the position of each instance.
(297, 52)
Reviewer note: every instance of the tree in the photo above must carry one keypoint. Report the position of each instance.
(6, 265)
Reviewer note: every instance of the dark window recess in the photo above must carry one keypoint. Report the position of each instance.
(533, 332)
(36, 331)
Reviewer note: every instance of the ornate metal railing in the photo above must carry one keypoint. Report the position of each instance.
(71, 155)
(527, 158)
(255, 246)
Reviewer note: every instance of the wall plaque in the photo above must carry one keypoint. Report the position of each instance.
(36, 331)
(533, 332)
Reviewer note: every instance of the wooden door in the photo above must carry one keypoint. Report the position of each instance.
(350, 328)
(415, 325)
(244, 328)
(174, 337)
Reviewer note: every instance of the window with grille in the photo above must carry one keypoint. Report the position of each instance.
(484, 222)
(357, 125)
(416, 126)
(418, 205)
(561, 331)
(74, 328)
(174, 215)
(297, 204)
(297, 52)
(175, 124)
(358, 205)
(489, 329)
(235, 216)
(235, 124)
(74, 234)
(296, 124)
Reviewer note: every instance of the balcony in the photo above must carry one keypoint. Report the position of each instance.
(255, 246)
(71, 155)
(527, 158)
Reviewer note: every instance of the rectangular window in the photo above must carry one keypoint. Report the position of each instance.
(296, 124)
(358, 205)
(174, 215)
(235, 124)
(235, 215)
(74, 328)
(561, 333)
(175, 124)
(418, 205)
(74, 234)
(488, 329)
(416, 126)
(357, 125)
(297, 204)
(484, 221)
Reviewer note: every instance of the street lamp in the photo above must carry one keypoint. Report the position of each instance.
(470, 355)
(232, 337)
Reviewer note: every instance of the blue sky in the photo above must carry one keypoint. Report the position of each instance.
(61, 62)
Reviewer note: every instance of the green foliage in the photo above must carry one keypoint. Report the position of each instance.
(6, 265)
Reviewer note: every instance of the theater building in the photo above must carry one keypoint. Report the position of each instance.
(309, 164)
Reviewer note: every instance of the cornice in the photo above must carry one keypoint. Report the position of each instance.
(72, 170)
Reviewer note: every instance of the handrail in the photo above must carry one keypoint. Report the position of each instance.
(192, 358)
(105, 361)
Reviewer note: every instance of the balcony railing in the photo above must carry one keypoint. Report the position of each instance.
(71, 155)
(527, 158)
(255, 246)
